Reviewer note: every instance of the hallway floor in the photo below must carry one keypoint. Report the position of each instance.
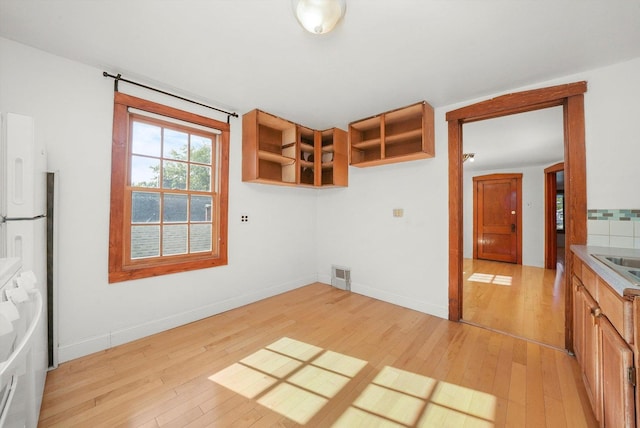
(524, 301)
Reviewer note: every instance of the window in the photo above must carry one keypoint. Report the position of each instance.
(560, 211)
(169, 184)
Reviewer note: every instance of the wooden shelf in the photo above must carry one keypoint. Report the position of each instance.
(276, 158)
(398, 135)
(327, 149)
(306, 147)
(367, 144)
(305, 164)
(327, 165)
(402, 137)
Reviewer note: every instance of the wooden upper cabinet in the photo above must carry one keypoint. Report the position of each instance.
(268, 149)
(278, 151)
(395, 136)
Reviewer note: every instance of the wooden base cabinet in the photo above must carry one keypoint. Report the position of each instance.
(585, 328)
(277, 151)
(618, 378)
(602, 340)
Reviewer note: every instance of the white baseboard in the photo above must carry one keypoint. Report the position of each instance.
(396, 299)
(118, 337)
(400, 300)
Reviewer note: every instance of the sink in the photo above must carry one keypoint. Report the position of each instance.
(631, 262)
(627, 267)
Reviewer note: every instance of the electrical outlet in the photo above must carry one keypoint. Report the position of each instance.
(244, 218)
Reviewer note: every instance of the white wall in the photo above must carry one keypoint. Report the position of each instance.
(401, 260)
(72, 105)
(532, 212)
(398, 259)
(612, 114)
(405, 261)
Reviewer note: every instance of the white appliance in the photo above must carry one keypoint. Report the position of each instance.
(21, 316)
(23, 236)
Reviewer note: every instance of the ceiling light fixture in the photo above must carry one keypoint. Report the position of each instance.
(319, 16)
(468, 156)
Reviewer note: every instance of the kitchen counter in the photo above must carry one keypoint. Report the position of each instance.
(620, 284)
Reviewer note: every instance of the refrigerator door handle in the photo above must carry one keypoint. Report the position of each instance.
(4, 219)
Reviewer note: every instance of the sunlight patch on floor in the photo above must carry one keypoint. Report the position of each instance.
(490, 279)
(297, 380)
(400, 398)
(481, 277)
(243, 380)
(290, 377)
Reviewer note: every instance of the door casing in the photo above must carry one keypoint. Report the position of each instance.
(571, 97)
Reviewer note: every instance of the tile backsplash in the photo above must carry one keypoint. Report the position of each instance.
(614, 228)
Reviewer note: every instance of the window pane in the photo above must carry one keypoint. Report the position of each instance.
(145, 207)
(174, 175)
(145, 139)
(144, 171)
(200, 237)
(175, 144)
(174, 239)
(200, 178)
(174, 208)
(560, 211)
(145, 241)
(200, 208)
(200, 149)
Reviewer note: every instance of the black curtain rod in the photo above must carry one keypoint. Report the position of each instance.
(119, 78)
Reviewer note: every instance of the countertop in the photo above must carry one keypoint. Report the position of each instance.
(621, 285)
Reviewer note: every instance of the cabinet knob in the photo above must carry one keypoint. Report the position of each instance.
(596, 312)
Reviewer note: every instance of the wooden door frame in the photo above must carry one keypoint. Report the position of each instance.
(550, 233)
(571, 98)
(500, 176)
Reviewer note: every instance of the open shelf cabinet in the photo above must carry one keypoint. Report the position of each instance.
(395, 136)
(277, 151)
(269, 149)
(333, 158)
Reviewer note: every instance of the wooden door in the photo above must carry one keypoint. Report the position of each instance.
(617, 391)
(497, 217)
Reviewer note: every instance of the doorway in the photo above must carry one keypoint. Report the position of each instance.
(571, 98)
(497, 217)
(554, 216)
(502, 292)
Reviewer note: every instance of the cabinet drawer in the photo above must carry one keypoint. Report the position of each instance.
(617, 309)
(577, 267)
(589, 281)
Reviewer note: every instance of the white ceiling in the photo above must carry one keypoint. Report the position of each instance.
(243, 54)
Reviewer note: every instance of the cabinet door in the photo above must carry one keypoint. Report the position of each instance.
(586, 314)
(617, 391)
(578, 321)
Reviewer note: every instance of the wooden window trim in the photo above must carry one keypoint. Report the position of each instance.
(119, 269)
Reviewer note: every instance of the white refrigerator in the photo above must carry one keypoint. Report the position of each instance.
(23, 232)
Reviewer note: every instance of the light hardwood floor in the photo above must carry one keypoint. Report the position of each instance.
(319, 356)
(522, 300)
